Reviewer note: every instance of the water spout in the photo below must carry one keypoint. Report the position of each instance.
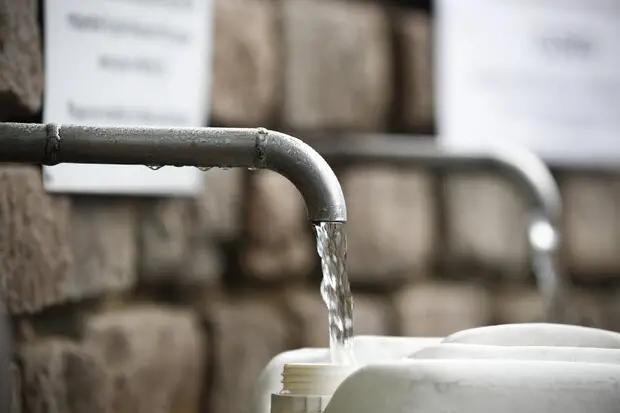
(203, 148)
(200, 147)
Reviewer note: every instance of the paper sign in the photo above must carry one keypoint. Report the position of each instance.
(127, 62)
(540, 73)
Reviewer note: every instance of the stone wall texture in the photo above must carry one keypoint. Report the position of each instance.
(175, 305)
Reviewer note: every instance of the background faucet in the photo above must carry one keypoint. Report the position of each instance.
(519, 165)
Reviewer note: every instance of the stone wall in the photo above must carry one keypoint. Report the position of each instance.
(159, 305)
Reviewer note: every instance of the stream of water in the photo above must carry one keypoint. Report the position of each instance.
(336, 291)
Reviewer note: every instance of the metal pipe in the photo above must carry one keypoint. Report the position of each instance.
(200, 147)
(520, 165)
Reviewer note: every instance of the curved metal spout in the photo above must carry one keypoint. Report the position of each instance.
(522, 166)
(201, 147)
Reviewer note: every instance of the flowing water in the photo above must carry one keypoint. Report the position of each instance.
(335, 290)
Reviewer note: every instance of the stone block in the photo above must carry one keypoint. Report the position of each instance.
(415, 47)
(518, 304)
(35, 247)
(589, 308)
(278, 241)
(391, 224)
(103, 240)
(154, 358)
(245, 334)
(371, 316)
(609, 302)
(218, 209)
(54, 250)
(164, 237)
(179, 238)
(172, 249)
(338, 69)
(437, 309)
(59, 376)
(486, 224)
(592, 225)
(21, 60)
(246, 62)
(15, 390)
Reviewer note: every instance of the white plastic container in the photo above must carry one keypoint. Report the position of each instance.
(366, 349)
(537, 334)
(539, 368)
(479, 386)
(447, 351)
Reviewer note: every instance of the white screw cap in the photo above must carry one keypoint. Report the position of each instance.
(307, 388)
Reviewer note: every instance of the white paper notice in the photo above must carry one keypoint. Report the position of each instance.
(540, 73)
(127, 62)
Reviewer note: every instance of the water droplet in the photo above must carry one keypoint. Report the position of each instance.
(154, 167)
(205, 168)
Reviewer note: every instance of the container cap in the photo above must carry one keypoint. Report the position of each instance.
(313, 379)
(307, 388)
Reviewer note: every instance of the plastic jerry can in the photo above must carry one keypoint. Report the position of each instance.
(540, 368)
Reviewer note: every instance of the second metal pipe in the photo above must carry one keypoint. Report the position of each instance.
(518, 164)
